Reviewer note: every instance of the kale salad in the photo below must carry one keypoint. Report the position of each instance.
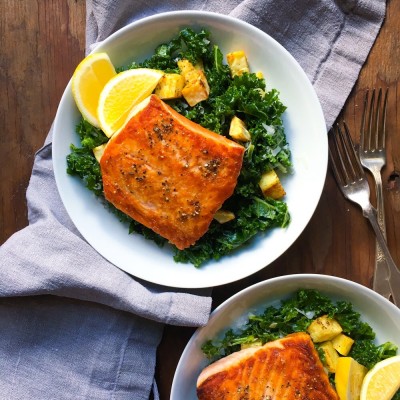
(245, 96)
(297, 314)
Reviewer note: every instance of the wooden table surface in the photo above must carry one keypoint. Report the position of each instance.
(43, 41)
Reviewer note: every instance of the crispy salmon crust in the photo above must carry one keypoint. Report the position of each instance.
(169, 173)
(285, 369)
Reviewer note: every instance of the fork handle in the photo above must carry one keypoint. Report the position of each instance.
(380, 207)
(380, 279)
(394, 273)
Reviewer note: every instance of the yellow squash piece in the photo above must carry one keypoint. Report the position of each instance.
(238, 130)
(186, 68)
(196, 87)
(348, 378)
(98, 151)
(237, 62)
(323, 329)
(170, 86)
(223, 216)
(342, 344)
(271, 186)
(331, 355)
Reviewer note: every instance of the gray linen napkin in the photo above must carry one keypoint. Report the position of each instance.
(96, 336)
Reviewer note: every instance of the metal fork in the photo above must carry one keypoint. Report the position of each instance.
(352, 181)
(372, 153)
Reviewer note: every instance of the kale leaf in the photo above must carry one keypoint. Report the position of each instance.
(187, 45)
(368, 354)
(295, 314)
(245, 96)
(351, 322)
(82, 163)
(252, 217)
(89, 135)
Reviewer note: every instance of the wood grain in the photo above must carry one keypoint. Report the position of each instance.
(42, 42)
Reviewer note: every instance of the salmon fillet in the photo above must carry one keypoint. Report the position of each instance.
(169, 173)
(285, 369)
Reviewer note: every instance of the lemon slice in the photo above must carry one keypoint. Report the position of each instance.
(122, 93)
(382, 381)
(348, 378)
(88, 81)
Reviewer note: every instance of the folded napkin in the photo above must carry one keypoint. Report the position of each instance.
(73, 326)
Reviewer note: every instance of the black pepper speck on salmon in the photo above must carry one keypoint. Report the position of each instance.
(169, 173)
(285, 369)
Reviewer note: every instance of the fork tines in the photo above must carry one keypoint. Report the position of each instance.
(377, 118)
(345, 162)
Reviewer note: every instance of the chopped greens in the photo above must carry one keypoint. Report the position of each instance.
(245, 96)
(295, 314)
(368, 354)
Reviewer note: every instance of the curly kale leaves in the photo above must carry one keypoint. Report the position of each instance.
(295, 315)
(368, 354)
(252, 217)
(261, 111)
(187, 45)
(89, 135)
(82, 163)
(246, 97)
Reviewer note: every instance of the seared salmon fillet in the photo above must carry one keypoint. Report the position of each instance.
(169, 173)
(285, 369)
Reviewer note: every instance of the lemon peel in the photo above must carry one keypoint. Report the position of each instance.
(348, 378)
(88, 81)
(382, 381)
(122, 93)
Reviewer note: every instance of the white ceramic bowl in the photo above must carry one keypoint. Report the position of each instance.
(383, 316)
(305, 129)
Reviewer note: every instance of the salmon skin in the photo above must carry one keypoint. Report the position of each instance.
(169, 173)
(285, 369)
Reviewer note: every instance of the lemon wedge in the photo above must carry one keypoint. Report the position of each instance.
(122, 93)
(382, 381)
(348, 378)
(88, 81)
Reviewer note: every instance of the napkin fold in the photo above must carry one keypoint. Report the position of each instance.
(50, 257)
(73, 326)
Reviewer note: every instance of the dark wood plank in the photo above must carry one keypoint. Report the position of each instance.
(42, 42)
(382, 69)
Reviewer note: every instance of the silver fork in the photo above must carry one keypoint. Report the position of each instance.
(352, 181)
(372, 153)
